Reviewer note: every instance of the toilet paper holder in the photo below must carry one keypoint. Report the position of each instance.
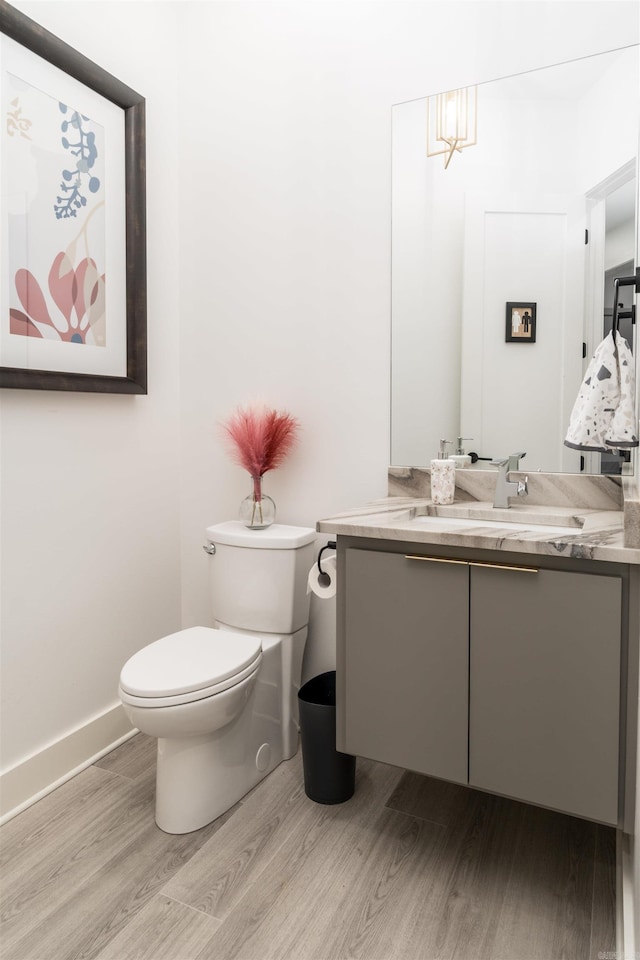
(324, 577)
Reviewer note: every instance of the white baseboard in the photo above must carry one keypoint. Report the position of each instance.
(38, 775)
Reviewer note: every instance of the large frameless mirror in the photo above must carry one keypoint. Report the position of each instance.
(513, 211)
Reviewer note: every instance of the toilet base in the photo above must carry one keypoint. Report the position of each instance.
(199, 778)
(195, 783)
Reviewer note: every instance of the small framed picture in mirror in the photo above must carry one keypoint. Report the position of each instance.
(521, 322)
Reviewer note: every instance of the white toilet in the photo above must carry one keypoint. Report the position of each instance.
(223, 702)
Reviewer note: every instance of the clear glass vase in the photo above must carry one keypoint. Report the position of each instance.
(257, 511)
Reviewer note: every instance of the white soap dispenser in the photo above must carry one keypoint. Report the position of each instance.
(443, 476)
(460, 458)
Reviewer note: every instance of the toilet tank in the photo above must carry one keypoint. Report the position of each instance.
(259, 577)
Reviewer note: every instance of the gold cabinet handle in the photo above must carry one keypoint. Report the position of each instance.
(503, 566)
(473, 563)
(409, 556)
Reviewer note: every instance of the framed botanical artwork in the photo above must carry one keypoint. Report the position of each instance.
(72, 219)
(521, 322)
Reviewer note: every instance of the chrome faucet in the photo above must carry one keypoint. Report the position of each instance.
(506, 488)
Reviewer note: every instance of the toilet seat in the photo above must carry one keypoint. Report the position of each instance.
(189, 665)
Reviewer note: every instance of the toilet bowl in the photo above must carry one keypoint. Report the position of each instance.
(223, 701)
(189, 683)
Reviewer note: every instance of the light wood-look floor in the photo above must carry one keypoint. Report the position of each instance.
(409, 868)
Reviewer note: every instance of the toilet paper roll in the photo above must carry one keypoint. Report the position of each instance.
(317, 582)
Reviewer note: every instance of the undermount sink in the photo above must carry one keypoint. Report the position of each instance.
(476, 526)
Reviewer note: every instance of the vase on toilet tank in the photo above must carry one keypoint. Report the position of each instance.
(222, 701)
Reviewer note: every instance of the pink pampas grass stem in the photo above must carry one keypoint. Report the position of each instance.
(260, 440)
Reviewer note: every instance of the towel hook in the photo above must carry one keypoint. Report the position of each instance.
(623, 282)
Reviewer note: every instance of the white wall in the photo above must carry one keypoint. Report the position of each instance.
(90, 502)
(269, 235)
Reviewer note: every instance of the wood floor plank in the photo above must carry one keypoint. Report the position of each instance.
(220, 874)
(379, 890)
(548, 899)
(431, 799)
(521, 880)
(132, 759)
(83, 861)
(68, 849)
(163, 930)
(81, 918)
(60, 813)
(475, 874)
(603, 927)
(342, 884)
(215, 877)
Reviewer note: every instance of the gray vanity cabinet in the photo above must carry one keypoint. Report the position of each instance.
(498, 676)
(545, 688)
(403, 678)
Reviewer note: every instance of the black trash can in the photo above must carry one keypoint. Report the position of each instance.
(329, 776)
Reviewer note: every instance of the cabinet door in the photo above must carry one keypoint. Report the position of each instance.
(545, 681)
(403, 662)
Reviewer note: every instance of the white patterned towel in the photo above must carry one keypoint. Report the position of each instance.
(603, 416)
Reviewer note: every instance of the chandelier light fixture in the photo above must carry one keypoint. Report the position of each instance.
(451, 122)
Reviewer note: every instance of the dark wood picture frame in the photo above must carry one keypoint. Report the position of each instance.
(39, 41)
(520, 322)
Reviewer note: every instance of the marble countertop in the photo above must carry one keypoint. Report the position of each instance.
(554, 531)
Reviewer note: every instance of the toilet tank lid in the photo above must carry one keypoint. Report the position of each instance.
(278, 536)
